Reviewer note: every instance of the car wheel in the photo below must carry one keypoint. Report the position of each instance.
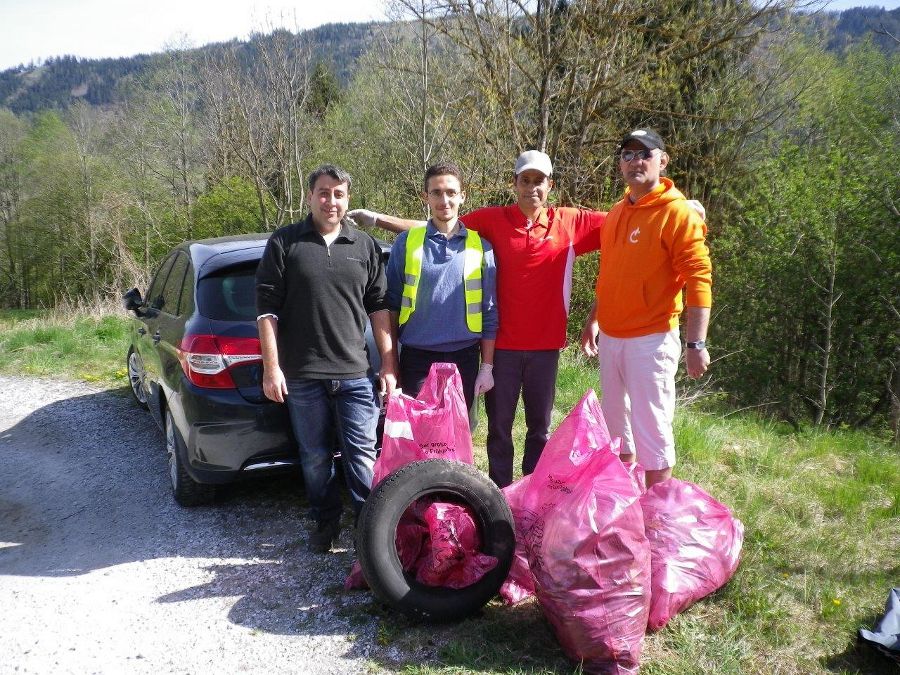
(376, 532)
(136, 375)
(187, 491)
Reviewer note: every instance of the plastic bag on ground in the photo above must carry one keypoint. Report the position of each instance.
(519, 585)
(638, 476)
(885, 636)
(561, 458)
(577, 438)
(587, 551)
(410, 540)
(433, 426)
(695, 546)
(590, 561)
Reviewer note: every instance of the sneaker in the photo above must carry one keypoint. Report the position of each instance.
(322, 538)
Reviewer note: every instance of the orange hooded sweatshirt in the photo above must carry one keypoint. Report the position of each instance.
(649, 252)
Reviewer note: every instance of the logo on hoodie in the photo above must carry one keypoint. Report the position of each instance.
(635, 233)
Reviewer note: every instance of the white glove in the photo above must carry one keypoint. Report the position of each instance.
(364, 217)
(485, 380)
(698, 207)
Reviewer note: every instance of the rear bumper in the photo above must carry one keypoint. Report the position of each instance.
(227, 436)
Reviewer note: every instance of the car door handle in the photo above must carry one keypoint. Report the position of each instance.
(156, 337)
(142, 331)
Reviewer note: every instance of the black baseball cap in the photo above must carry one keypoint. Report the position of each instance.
(646, 137)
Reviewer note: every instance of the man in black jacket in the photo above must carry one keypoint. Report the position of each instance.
(316, 283)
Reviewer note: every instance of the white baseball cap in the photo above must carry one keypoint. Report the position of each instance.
(534, 159)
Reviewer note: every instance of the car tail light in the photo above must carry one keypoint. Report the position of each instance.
(208, 359)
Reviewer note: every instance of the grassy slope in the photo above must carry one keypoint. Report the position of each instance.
(65, 345)
(821, 510)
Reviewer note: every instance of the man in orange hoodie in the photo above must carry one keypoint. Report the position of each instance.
(652, 248)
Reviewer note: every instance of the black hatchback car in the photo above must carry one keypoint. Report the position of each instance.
(195, 363)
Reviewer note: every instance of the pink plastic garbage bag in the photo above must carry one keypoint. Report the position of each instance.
(433, 426)
(695, 546)
(518, 585)
(590, 561)
(451, 556)
(532, 495)
(579, 436)
(587, 552)
(638, 476)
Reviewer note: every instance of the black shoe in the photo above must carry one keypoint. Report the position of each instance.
(323, 537)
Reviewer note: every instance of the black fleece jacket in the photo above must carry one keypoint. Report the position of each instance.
(322, 296)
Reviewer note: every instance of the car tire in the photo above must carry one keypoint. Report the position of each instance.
(136, 374)
(187, 491)
(376, 531)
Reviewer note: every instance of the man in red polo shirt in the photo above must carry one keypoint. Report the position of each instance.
(535, 247)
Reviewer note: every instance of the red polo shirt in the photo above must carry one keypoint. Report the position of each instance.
(534, 269)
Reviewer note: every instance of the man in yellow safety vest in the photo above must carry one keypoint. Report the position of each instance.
(441, 291)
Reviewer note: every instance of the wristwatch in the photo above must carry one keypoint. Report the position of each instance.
(699, 344)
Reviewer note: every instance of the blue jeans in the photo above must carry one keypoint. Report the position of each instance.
(328, 415)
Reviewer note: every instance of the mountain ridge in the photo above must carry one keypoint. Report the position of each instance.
(60, 81)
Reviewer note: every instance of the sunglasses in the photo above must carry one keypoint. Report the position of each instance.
(628, 155)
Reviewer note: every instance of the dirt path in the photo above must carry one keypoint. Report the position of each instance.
(100, 571)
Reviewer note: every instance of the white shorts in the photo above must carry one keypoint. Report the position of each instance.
(637, 379)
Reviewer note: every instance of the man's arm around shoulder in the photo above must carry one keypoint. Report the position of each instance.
(367, 218)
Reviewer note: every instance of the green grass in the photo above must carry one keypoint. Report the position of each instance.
(821, 512)
(66, 345)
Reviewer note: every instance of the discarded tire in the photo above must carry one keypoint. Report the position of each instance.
(377, 552)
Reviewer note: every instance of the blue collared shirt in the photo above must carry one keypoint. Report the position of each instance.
(439, 322)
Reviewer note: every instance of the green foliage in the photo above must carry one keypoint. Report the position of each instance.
(48, 209)
(325, 90)
(60, 81)
(231, 207)
(805, 265)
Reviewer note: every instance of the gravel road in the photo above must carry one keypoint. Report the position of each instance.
(101, 572)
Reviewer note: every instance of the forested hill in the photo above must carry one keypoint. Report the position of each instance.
(61, 80)
(854, 24)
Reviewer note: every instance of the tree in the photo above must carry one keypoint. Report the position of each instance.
(569, 77)
(173, 115)
(809, 262)
(324, 90)
(260, 118)
(13, 276)
(48, 213)
(228, 208)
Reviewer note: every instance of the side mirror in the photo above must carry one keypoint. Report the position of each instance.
(132, 301)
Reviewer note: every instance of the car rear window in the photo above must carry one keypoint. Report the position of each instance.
(229, 294)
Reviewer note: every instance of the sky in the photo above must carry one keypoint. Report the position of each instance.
(33, 30)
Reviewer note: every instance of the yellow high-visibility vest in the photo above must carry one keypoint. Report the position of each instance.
(412, 272)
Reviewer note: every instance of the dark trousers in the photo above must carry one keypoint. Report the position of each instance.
(415, 364)
(533, 374)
